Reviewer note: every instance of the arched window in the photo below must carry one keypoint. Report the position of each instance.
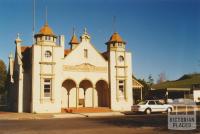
(121, 58)
(47, 54)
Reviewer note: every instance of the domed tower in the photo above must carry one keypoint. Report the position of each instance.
(120, 73)
(116, 43)
(45, 36)
(46, 71)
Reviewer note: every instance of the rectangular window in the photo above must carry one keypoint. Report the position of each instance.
(85, 53)
(47, 37)
(47, 87)
(121, 87)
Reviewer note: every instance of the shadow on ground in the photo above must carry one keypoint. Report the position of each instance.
(158, 122)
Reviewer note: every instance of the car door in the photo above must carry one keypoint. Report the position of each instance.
(153, 106)
(160, 106)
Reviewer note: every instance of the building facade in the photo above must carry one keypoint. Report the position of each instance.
(46, 77)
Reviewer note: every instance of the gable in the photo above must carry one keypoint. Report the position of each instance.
(85, 53)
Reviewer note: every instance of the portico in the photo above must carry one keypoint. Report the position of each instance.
(85, 94)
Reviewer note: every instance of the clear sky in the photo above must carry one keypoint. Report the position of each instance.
(163, 35)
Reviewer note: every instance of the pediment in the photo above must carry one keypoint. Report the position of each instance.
(77, 56)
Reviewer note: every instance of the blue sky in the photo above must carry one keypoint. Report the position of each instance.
(163, 35)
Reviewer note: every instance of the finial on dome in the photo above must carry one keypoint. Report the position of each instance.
(10, 56)
(18, 36)
(85, 30)
(85, 36)
(18, 40)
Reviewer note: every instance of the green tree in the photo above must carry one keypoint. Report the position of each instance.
(150, 80)
(146, 87)
(3, 76)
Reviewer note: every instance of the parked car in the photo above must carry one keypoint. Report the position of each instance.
(150, 106)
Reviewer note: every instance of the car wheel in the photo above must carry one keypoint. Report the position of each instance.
(169, 110)
(148, 111)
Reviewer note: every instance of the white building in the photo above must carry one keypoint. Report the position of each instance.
(47, 77)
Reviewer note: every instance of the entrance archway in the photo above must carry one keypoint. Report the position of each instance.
(68, 94)
(103, 93)
(86, 93)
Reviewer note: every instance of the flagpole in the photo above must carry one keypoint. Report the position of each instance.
(33, 30)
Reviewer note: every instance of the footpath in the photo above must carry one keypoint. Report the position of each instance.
(31, 116)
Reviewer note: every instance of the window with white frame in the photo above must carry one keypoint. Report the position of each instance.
(47, 87)
(121, 87)
(85, 53)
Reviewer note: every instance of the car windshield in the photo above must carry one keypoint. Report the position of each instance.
(142, 103)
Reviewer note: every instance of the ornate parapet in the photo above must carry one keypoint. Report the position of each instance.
(85, 67)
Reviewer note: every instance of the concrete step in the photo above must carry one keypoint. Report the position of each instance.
(86, 110)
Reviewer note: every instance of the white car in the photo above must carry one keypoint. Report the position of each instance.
(149, 106)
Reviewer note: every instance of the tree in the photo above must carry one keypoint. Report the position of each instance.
(146, 87)
(150, 80)
(3, 76)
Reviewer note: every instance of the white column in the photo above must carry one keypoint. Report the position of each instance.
(141, 93)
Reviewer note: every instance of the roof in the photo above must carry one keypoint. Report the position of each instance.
(186, 81)
(74, 40)
(46, 30)
(116, 38)
(24, 48)
(105, 55)
(136, 84)
(67, 51)
(26, 57)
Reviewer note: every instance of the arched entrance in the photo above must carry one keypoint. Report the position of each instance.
(68, 94)
(103, 93)
(86, 93)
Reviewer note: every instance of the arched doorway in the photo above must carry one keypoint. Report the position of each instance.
(86, 94)
(68, 94)
(103, 93)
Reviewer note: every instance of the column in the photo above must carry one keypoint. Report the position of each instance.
(20, 91)
(77, 96)
(141, 93)
(92, 97)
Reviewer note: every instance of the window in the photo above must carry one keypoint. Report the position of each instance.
(85, 53)
(121, 58)
(47, 87)
(121, 87)
(151, 103)
(47, 54)
(47, 37)
(120, 44)
(159, 103)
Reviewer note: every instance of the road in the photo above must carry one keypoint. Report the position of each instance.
(131, 124)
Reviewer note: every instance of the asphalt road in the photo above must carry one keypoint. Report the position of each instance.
(131, 124)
